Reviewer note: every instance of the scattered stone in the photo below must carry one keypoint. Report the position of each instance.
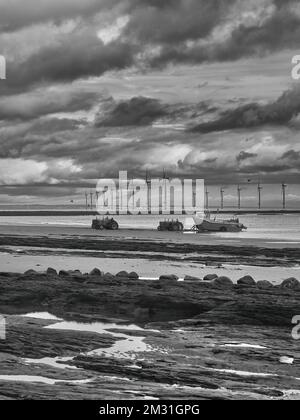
(109, 277)
(30, 272)
(264, 285)
(246, 281)
(190, 279)
(51, 272)
(96, 272)
(64, 273)
(212, 264)
(170, 277)
(123, 275)
(291, 283)
(224, 282)
(210, 277)
(134, 276)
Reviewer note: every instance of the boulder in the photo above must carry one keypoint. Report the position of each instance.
(223, 282)
(123, 275)
(190, 279)
(134, 276)
(264, 285)
(210, 277)
(109, 277)
(64, 273)
(170, 277)
(30, 272)
(96, 272)
(212, 264)
(246, 281)
(51, 272)
(291, 283)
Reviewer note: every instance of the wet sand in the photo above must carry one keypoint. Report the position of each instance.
(239, 240)
(150, 253)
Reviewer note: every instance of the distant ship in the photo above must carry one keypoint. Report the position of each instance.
(204, 223)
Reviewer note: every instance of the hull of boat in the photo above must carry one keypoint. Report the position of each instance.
(215, 226)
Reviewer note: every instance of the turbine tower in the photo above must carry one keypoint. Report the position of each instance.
(86, 202)
(91, 195)
(259, 189)
(148, 183)
(284, 187)
(222, 191)
(207, 199)
(239, 191)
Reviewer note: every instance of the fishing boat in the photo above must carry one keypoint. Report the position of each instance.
(205, 223)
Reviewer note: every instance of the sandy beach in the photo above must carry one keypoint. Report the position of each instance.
(148, 252)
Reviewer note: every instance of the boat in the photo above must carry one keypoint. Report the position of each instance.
(205, 223)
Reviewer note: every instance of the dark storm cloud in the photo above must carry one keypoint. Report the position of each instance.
(39, 103)
(15, 14)
(245, 155)
(157, 33)
(74, 58)
(280, 112)
(173, 22)
(292, 156)
(136, 111)
(143, 111)
(278, 31)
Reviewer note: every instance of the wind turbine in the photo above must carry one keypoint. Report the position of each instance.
(222, 191)
(148, 183)
(239, 191)
(207, 198)
(86, 202)
(91, 196)
(284, 187)
(259, 189)
(165, 178)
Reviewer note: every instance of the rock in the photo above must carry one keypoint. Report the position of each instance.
(170, 277)
(109, 277)
(291, 283)
(96, 272)
(134, 276)
(141, 314)
(51, 272)
(212, 264)
(190, 279)
(264, 285)
(123, 275)
(30, 272)
(64, 273)
(224, 282)
(210, 277)
(246, 281)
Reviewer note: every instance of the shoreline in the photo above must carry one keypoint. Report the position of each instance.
(47, 213)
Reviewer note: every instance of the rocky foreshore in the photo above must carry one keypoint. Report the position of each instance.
(208, 338)
(152, 250)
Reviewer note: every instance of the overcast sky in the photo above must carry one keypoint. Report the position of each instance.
(202, 88)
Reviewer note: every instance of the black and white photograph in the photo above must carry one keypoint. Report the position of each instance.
(149, 203)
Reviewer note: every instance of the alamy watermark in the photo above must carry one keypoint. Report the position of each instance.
(296, 329)
(2, 328)
(145, 196)
(2, 67)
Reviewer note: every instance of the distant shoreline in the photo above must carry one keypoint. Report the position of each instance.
(47, 213)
